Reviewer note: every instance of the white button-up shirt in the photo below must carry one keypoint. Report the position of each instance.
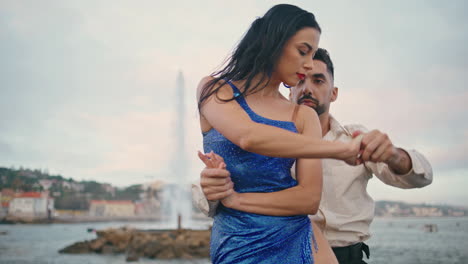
(346, 209)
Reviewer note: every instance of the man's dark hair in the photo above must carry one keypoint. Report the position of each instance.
(323, 56)
(259, 50)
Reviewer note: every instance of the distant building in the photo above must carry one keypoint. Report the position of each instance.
(147, 207)
(4, 203)
(46, 184)
(111, 208)
(427, 211)
(109, 189)
(31, 204)
(77, 187)
(155, 185)
(140, 208)
(6, 196)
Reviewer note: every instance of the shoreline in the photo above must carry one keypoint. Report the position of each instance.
(81, 220)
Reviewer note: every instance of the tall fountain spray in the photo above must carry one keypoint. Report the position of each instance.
(177, 205)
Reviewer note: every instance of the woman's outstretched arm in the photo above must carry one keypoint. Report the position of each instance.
(232, 121)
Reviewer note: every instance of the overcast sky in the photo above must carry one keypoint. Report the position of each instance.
(87, 88)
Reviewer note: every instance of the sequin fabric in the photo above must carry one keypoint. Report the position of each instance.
(240, 237)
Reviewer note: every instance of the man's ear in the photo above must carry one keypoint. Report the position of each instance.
(334, 94)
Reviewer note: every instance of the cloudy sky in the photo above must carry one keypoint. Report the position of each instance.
(87, 88)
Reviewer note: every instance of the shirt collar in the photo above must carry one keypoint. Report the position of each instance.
(336, 129)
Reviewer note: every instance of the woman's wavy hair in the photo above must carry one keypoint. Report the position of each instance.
(259, 50)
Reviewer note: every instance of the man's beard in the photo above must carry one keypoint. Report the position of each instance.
(319, 108)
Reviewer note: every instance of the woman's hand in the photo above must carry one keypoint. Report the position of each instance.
(352, 153)
(216, 185)
(212, 160)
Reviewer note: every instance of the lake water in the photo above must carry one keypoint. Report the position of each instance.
(395, 240)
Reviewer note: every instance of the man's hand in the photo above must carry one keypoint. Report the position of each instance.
(215, 180)
(377, 147)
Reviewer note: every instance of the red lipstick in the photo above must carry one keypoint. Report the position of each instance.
(301, 76)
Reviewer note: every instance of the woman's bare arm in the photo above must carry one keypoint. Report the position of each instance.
(232, 121)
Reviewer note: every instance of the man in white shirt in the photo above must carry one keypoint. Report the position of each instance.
(346, 209)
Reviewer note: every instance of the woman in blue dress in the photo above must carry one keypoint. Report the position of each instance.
(245, 119)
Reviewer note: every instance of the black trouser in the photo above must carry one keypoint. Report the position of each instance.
(352, 254)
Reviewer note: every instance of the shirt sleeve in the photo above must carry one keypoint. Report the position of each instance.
(208, 208)
(419, 176)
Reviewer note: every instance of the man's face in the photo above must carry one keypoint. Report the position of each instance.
(316, 90)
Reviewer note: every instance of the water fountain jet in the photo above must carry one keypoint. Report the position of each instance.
(176, 204)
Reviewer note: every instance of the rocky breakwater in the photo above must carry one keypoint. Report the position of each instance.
(158, 244)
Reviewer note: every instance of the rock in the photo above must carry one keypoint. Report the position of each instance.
(132, 257)
(97, 244)
(158, 244)
(152, 249)
(138, 240)
(108, 250)
(117, 236)
(186, 256)
(166, 253)
(77, 248)
(100, 233)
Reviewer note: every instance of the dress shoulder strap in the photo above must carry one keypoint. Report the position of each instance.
(235, 90)
(238, 97)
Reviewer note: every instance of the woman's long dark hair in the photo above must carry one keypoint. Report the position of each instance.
(260, 49)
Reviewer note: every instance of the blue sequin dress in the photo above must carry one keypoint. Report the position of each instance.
(240, 237)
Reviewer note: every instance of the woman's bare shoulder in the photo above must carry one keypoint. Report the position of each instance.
(202, 83)
(306, 116)
(224, 91)
(307, 112)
